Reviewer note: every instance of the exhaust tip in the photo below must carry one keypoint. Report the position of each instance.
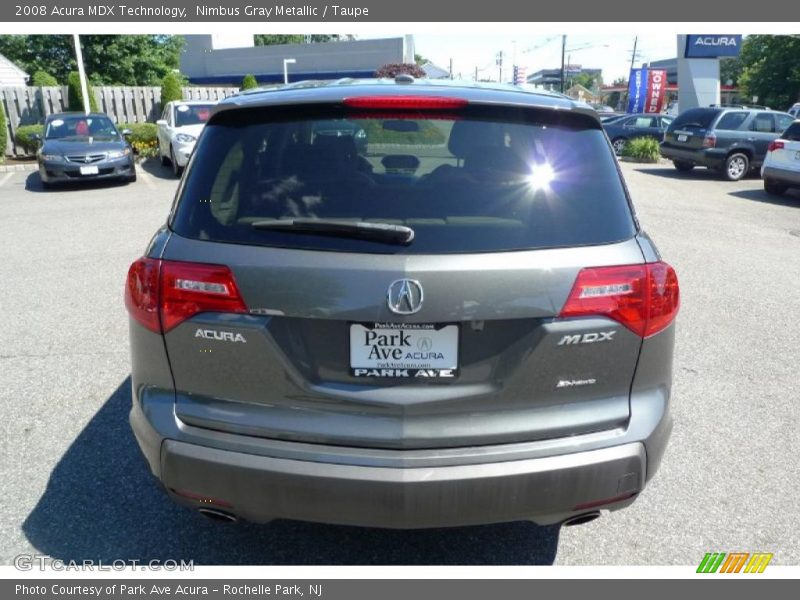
(581, 519)
(218, 515)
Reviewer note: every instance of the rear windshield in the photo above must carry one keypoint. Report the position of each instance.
(477, 180)
(792, 134)
(697, 118)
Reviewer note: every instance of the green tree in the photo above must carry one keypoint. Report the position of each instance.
(112, 59)
(587, 80)
(771, 69)
(43, 79)
(420, 60)
(75, 95)
(393, 70)
(730, 69)
(171, 87)
(249, 82)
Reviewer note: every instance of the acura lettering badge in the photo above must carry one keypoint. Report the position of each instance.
(404, 297)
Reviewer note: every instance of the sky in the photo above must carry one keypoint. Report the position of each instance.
(611, 53)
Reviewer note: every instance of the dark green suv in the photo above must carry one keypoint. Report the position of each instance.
(732, 141)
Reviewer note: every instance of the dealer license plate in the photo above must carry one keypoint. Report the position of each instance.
(89, 170)
(404, 350)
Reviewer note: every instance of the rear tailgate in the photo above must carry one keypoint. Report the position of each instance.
(337, 344)
(689, 129)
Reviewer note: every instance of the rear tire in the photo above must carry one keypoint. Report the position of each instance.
(774, 188)
(164, 160)
(619, 145)
(176, 169)
(737, 165)
(683, 167)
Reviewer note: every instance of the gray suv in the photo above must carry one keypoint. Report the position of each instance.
(730, 141)
(461, 322)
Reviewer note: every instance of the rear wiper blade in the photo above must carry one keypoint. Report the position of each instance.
(378, 232)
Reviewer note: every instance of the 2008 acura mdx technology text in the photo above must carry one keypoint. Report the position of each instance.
(457, 320)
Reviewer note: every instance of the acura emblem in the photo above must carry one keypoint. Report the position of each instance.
(404, 297)
(87, 159)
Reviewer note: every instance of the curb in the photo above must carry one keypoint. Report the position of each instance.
(18, 168)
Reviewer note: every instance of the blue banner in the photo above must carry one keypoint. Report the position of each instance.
(712, 46)
(637, 91)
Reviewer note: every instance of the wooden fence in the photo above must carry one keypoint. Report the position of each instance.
(30, 105)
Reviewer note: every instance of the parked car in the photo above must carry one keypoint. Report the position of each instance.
(474, 331)
(781, 168)
(730, 141)
(609, 117)
(339, 128)
(619, 131)
(178, 128)
(83, 147)
(795, 110)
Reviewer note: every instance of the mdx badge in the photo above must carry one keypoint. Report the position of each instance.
(404, 296)
(587, 338)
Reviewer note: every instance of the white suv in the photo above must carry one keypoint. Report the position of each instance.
(178, 129)
(795, 110)
(781, 168)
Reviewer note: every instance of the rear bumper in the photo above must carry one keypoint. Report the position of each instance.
(261, 479)
(706, 157)
(546, 490)
(783, 176)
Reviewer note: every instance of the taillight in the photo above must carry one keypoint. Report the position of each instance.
(710, 141)
(643, 298)
(141, 293)
(405, 102)
(161, 294)
(775, 145)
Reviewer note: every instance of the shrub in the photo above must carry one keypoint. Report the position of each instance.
(644, 149)
(143, 138)
(74, 95)
(3, 134)
(393, 70)
(172, 88)
(43, 78)
(24, 139)
(249, 82)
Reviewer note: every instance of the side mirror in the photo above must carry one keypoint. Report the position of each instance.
(37, 137)
(161, 123)
(127, 132)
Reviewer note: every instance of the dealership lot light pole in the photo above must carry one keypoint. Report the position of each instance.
(286, 62)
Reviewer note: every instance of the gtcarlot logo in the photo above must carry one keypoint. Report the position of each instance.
(42, 562)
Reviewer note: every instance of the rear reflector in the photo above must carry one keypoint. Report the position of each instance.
(161, 294)
(643, 298)
(405, 102)
(775, 145)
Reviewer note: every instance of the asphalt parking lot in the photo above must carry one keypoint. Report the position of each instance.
(75, 486)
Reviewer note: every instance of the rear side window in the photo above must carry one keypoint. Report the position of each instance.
(476, 180)
(792, 134)
(695, 118)
(731, 121)
(782, 122)
(763, 123)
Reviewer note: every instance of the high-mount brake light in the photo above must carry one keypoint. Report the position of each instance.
(161, 294)
(643, 298)
(405, 102)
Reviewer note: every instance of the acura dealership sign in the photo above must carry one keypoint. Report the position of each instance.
(712, 46)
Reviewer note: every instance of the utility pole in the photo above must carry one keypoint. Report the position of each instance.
(451, 68)
(476, 73)
(87, 106)
(500, 66)
(563, 50)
